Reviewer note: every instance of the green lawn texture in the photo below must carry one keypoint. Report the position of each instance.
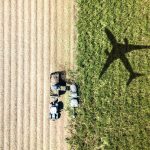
(112, 114)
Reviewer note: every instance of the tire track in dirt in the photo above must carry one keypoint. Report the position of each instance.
(53, 31)
(33, 77)
(26, 119)
(20, 75)
(60, 67)
(1, 75)
(7, 71)
(13, 114)
(59, 32)
(53, 63)
(40, 75)
(46, 47)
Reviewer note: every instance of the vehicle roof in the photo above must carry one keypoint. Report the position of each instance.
(53, 110)
(74, 103)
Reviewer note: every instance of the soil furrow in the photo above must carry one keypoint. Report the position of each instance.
(13, 115)
(20, 75)
(60, 67)
(59, 33)
(7, 71)
(46, 48)
(33, 77)
(40, 75)
(53, 31)
(27, 52)
(53, 55)
(53, 65)
(1, 75)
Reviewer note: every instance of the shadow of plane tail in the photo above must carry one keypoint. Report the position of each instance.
(133, 76)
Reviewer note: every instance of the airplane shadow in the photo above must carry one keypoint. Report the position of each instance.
(118, 52)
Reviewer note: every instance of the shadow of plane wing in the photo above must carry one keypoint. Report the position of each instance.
(106, 65)
(110, 36)
(127, 65)
(132, 47)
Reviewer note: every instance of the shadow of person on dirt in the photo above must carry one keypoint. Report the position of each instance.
(118, 52)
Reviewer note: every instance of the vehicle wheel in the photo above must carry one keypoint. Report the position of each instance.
(57, 116)
(50, 116)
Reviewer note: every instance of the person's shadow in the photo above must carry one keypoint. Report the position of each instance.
(118, 52)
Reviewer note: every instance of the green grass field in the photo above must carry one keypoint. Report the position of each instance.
(112, 115)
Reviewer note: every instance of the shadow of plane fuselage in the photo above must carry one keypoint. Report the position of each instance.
(118, 52)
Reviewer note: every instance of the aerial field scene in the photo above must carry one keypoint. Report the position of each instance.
(74, 75)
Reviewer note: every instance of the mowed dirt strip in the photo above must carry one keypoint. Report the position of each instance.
(37, 37)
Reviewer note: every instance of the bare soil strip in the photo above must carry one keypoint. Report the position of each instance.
(59, 11)
(26, 118)
(53, 63)
(61, 67)
(27, 23)
(33, 78)
(46, 47)
(13, 114)
(60, 20)
(20, 76)
(7, 71)
(40, 75)
(53, 35)
(1, 75)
